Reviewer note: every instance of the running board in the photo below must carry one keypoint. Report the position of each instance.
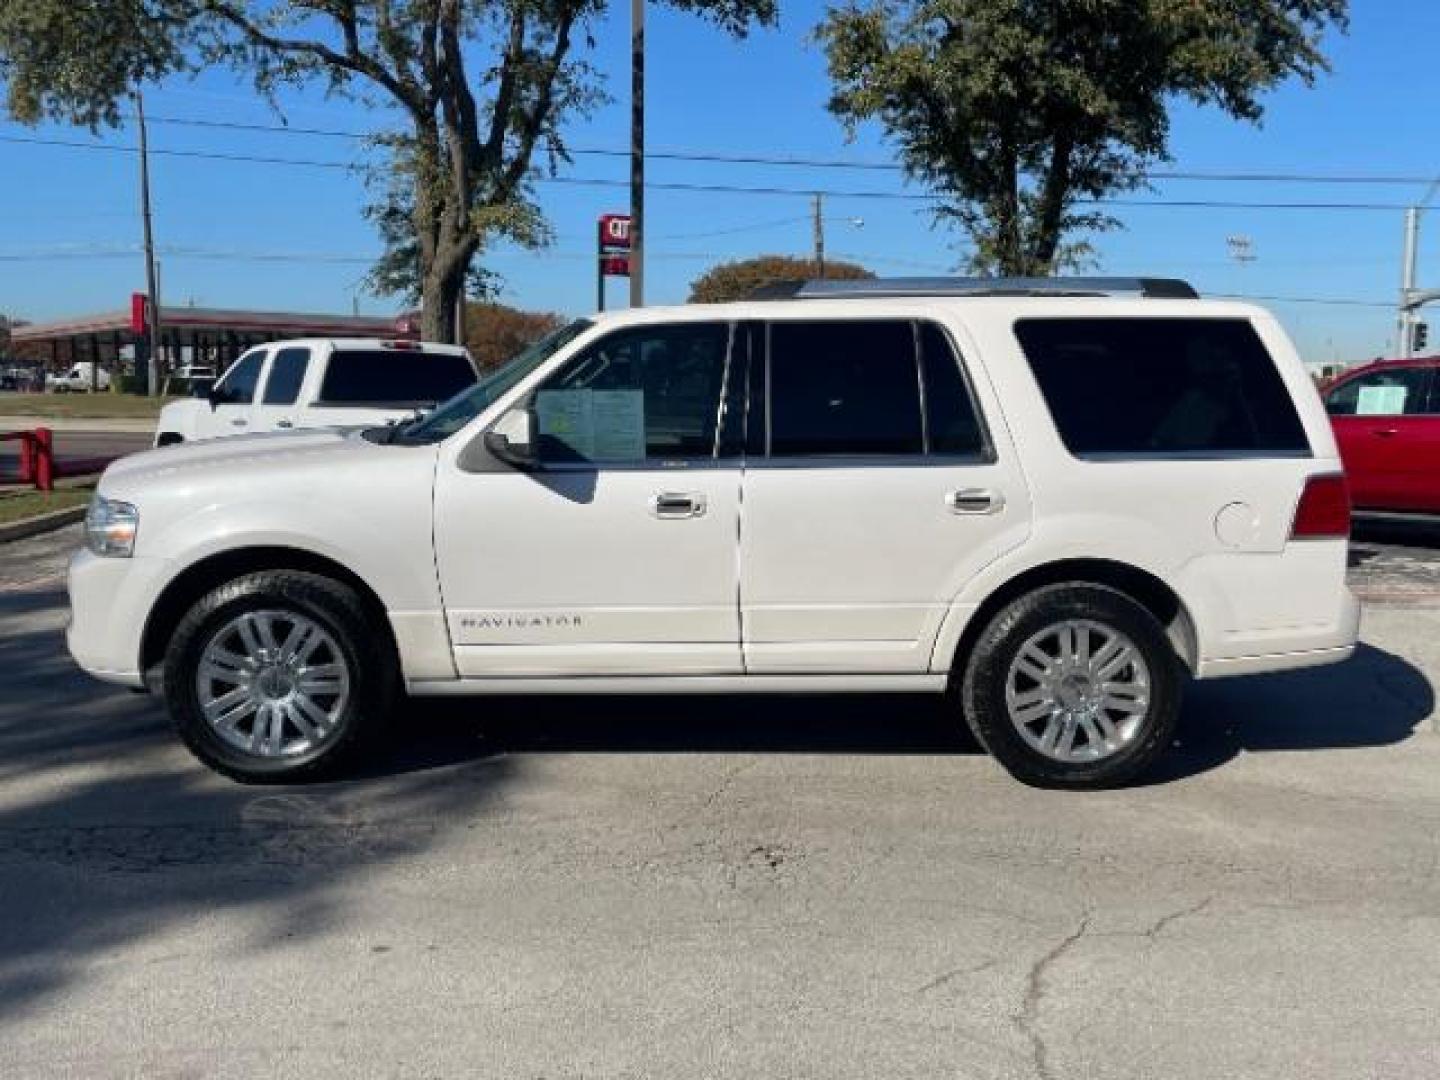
(683, 684)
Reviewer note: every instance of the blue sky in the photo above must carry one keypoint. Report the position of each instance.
(765, 94)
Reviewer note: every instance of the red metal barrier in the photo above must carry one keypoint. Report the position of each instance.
(37, 456)
(44, 440)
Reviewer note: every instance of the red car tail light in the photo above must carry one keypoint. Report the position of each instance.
(1324, 509)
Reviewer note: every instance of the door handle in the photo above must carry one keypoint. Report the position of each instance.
(677, 504)
(975, 501)
(1385, 433)
(239, 423)
(285, 423)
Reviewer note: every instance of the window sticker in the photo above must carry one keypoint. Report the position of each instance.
(594, 425)
(618, 422)
(1381, 400)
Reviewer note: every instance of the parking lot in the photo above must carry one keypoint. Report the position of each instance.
(807, 886)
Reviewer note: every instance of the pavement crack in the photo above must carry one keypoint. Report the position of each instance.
(1184, 913)
(1028, 1018)
(954, 973)
(727, 780)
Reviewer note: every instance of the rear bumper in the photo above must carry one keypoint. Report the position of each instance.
(1291, 649)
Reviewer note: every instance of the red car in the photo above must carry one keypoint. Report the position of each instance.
(1386, 417)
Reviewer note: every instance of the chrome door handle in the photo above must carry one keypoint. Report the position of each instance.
(975, 501)
(285, 423)
(677, 504)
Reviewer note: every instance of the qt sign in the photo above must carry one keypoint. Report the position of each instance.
(615, 231)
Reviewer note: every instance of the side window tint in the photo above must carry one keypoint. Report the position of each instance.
(1162, 387)
(1393, 392)
(650, 392)
(952, 423)
(844, 388)
(238, 385)
(287, 372)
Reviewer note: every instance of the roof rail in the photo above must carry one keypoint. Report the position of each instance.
(1154, 288)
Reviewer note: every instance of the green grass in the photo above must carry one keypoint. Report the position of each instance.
(103, 405)
(16, 506)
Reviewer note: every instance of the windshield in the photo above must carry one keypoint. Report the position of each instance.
(454, 414)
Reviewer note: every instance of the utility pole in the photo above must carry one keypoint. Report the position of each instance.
(1406, 314)
(818, 203)
(637, 153)
(152, 278)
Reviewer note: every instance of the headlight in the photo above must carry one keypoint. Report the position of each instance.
(110, 527)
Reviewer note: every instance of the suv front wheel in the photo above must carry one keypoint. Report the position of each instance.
(1073, 685)
(277, 676)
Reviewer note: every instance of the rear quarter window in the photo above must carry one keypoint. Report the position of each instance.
(393, 377)
(1146, 388)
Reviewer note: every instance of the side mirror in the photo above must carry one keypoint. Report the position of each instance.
(512, 440)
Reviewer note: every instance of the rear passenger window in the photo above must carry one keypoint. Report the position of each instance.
(952, 424)
(287, 372)
(1391, 392)
(394, 378)
(1162, 388)
(844, 388)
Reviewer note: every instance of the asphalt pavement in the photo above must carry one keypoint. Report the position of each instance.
(727, 887)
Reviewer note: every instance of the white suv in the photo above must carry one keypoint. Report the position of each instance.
(1054, 501)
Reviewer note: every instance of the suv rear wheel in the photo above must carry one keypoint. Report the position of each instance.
(1073, 685)
(278, 676)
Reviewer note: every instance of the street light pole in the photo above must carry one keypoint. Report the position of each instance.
(152, 278)
(1407, 282)
(637, 153)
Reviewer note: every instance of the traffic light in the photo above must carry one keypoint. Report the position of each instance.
(1420, 334)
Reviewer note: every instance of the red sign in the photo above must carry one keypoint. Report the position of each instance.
(615, 265)
(137, 313)
(615, 231)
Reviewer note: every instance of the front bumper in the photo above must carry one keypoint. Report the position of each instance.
(110, 600)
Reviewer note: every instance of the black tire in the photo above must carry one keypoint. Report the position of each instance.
(335, 607)
(982, 688)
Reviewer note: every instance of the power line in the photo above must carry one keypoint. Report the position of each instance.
(734, 189)
(710, 157)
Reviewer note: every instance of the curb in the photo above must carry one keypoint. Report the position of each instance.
(92, 425)
(56, 519)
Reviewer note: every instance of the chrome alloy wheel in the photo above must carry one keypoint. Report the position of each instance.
(273, 684)
(1078, 691)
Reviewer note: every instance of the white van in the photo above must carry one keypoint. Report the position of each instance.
(81, 377)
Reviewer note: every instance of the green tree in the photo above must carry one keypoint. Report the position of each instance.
(1021, 114)
(482, 87)
(737, 280)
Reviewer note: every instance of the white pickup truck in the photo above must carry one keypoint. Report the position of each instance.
(319, 382)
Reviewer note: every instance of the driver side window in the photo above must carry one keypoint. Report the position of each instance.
(647, 393)
(240, 382)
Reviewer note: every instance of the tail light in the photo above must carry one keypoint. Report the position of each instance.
(1324, 509)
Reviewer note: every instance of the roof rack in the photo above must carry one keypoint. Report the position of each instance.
(1153, 288)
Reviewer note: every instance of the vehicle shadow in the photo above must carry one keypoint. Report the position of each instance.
(1419, 533)
(1375, 699)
